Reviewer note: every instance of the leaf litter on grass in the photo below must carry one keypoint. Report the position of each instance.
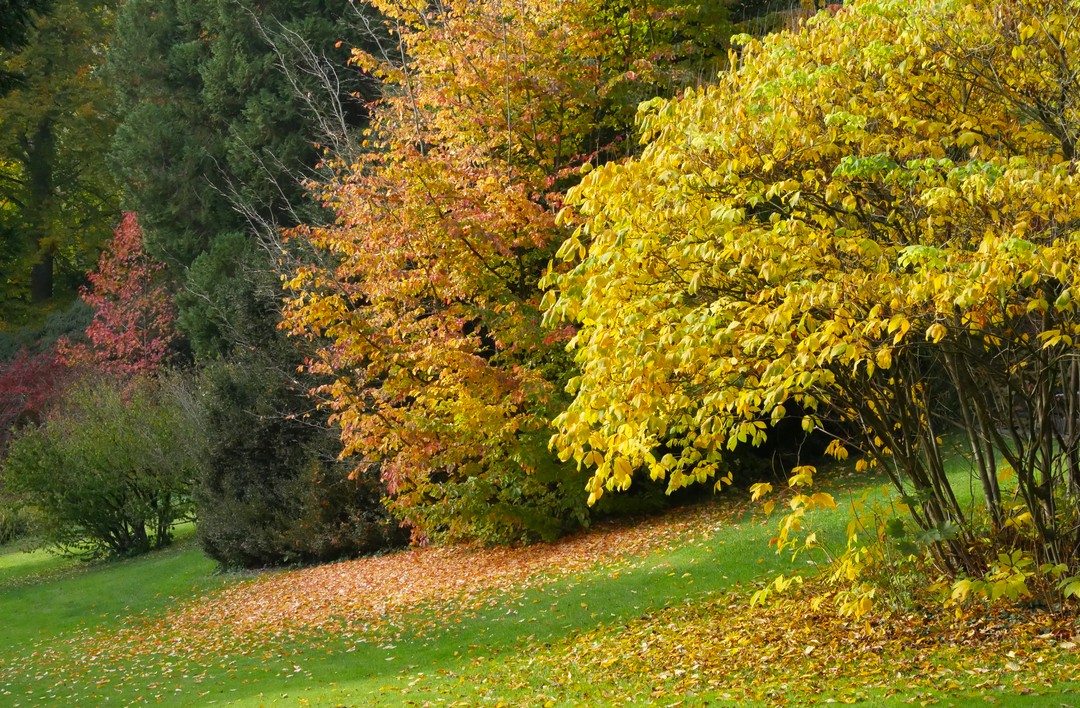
(309, 609)
(715, 646)
(787, 653)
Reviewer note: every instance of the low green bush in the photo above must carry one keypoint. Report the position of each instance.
(109, 471)
(16, 521)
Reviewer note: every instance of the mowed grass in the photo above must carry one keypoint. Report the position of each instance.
(55, 619)
(607, 633)
(18, 565)
(47, 596)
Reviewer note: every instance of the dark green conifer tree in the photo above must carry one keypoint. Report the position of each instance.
(223, 105)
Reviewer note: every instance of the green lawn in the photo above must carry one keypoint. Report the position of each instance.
(87, 597)
(19, 566)
(325, 668)
(77, 634)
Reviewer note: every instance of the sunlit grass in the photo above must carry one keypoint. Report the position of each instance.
(81, 635)
(19, 564)
(24, 561)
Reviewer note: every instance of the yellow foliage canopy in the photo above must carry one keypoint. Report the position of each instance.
(867, 211)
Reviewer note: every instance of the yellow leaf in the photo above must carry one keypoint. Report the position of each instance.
(836, 449)
(802, 476)
(936, 332)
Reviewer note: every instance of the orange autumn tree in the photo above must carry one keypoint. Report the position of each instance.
(424, 305)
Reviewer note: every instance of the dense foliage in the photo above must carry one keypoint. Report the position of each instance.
(875, 219)
(131, 331)
(16, 16)
(110, 470)
(29, 384)
(223, 104)
(426, 314)
(217, 132)
(57, 197)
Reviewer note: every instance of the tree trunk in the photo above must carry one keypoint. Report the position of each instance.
(40, 152)
(41, 276)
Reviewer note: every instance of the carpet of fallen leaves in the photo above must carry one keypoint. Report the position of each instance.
(713, 647)
(787, 654)
(359, 596)
(353, 601)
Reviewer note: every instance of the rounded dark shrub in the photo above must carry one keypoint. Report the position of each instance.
(273, 492)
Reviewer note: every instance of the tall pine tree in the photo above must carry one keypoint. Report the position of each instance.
(217, 130)
(223, 102)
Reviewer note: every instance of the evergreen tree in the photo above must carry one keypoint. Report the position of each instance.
(217, 131)
(223, 104)
(16, 18)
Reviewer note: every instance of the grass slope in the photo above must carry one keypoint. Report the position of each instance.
(651, 613)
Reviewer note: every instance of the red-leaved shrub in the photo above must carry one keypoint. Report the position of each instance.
(28, 384)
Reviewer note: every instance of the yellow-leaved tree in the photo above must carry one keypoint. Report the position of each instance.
(876, 219)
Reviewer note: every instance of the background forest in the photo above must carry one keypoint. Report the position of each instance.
(166, 165)
(332, 277)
